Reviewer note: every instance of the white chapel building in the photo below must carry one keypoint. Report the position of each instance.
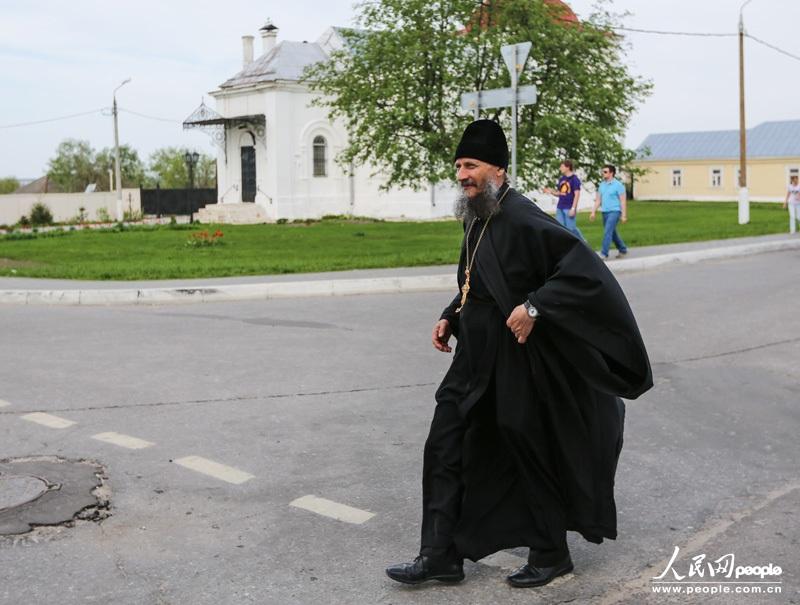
(276, 151)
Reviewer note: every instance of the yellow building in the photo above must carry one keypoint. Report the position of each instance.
(704, 166)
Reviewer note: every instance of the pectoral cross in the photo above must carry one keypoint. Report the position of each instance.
(464, 291)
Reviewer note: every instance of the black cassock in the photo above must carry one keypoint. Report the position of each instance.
(525, 439)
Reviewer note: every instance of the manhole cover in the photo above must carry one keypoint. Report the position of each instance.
(48, 491)
(19, 490)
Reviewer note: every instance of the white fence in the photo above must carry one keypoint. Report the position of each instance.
(67, 206)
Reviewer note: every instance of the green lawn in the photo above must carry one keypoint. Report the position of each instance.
(330, 245)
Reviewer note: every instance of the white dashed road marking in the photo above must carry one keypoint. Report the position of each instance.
(504, 560)
(4, 403)
(48, 420)
(334, 510)
(132, 443)
(214, 469)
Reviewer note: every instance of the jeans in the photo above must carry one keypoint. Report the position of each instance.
(794, 217)
(570, 222)
(610, 220)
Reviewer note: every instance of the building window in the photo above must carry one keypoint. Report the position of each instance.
(716, 177)
(794, 171)
(677, 177)
(320, 156)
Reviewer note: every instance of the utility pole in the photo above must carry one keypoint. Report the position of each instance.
(744, 198)
(117, 169)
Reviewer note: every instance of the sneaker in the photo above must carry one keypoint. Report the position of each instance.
(622, 254)
(603, 256)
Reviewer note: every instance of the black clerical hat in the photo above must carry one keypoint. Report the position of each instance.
(484, 140)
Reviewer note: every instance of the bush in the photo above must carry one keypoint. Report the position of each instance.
(102, 215)
(15, 235)
(24, 221)
(132, 216)
(41, 215)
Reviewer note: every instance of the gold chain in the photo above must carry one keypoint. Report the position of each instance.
(471, 261)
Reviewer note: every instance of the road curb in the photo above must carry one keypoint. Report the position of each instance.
(695, 256)
(344, 287)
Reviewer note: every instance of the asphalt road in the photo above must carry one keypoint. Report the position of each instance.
(332, 398)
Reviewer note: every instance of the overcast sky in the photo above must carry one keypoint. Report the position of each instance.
(59, 58)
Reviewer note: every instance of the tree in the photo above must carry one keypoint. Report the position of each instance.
(167, 167)
(73, 168)
(131, 167)
(8, 185)
(205, 175)
(398, 82)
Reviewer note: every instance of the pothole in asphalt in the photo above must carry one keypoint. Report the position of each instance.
(45, 492)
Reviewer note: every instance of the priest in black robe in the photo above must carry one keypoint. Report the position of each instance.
(528, 424)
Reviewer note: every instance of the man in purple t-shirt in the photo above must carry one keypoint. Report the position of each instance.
(569, 193)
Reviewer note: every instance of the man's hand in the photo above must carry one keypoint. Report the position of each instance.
(592, 215)
(441, 335)
(624, 218)
(520, 324)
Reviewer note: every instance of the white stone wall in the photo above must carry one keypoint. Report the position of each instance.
(66, 206)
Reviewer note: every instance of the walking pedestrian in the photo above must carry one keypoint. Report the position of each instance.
(528, 423)
(793, 201)
(568, 191)
(613, 204)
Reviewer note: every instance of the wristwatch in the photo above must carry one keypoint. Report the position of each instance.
(533, 312)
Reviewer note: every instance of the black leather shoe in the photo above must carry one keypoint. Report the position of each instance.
(528, 576)
(425, 568)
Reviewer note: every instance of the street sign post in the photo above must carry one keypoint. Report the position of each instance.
(499, 97)
(515, 57)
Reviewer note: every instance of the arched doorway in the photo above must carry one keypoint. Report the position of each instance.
(248, 160)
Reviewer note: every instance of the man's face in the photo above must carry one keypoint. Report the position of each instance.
(564, 170)
(607, 174)
(473, 175)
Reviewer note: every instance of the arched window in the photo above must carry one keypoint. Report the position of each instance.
(320, 156)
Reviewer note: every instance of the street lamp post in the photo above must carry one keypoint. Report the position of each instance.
(191, 159)
(744, 197)
(117, 169)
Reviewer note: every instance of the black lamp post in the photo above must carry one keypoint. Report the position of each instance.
(191, 159)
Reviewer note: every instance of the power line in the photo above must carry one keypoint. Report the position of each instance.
(68, 117)
(706, 35)
(144, 115)
(673, 33)
(773, 47)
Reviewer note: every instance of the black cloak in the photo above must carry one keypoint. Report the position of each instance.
(541, 458)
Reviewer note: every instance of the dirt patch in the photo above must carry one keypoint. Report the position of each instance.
(12, 263)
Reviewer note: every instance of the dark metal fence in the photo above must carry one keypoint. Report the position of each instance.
(176, 201)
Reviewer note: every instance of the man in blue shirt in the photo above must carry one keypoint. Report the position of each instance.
(569, 193)
(613, 204)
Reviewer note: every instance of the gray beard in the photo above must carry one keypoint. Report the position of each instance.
(484, 205)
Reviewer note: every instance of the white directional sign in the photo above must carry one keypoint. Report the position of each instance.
(499, 97)
(515, 56)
